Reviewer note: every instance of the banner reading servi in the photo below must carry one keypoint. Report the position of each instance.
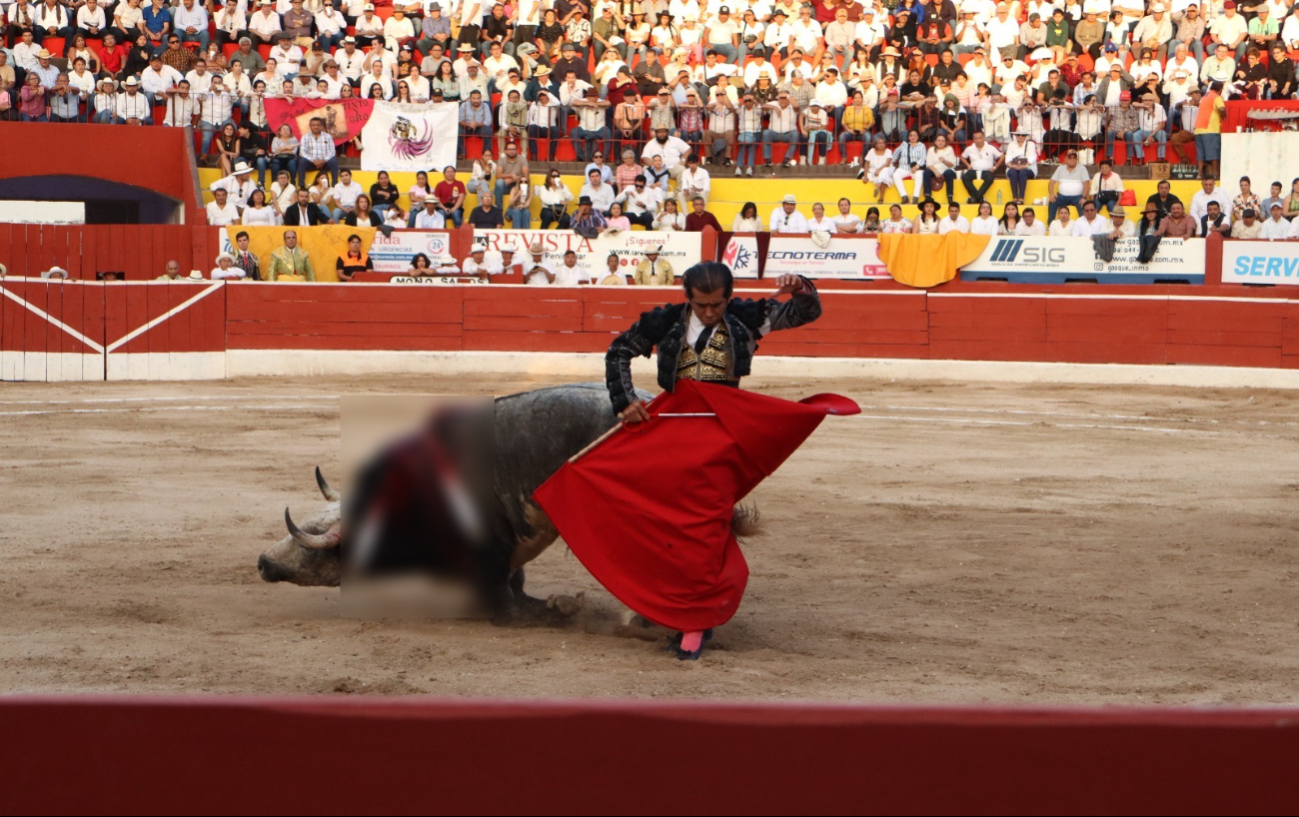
(1260, 262)
(681, 250)
(1041, 260)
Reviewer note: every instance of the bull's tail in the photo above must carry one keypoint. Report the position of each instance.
(746, 522)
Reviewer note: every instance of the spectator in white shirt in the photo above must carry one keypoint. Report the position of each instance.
(818, 223)
(430, 218)
(1209, 192)
(1276, 227)
(600, 191)
(157, 78)
(537, 271)
(695, 181)
(225, 270)
(331, 26)
(846, 221)
(239, 185)
(984, 223)
(288, 57)
(673, 149)
(1119, 226)
(1091, 224)
(1063, 224)
(786, 218)
(981, 160)
(91, 19)
(344, 194)
(133, 107)
(264, 25)
(1029, 226)
(954, 220)
(191, 23)
(221, 212)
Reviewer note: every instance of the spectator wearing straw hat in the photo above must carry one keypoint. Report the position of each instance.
(239, 184)
(225, 270)
(537, 271)
(786, 218)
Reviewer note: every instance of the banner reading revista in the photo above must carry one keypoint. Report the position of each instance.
(681, 250)
(1260, 262)
(399, 136)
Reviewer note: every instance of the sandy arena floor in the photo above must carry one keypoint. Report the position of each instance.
(957, 543)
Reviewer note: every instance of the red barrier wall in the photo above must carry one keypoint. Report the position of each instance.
(1223, 325)
(140, 250)
(1228, 325)
(158, 159)
(75, 330)
(329, 755)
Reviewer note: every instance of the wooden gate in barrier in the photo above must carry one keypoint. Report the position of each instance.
(52, 330)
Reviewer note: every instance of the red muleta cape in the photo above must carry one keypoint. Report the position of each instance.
(648, 510)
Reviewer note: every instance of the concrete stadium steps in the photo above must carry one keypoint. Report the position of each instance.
(730, 192)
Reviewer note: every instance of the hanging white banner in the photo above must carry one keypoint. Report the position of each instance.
(406, 137)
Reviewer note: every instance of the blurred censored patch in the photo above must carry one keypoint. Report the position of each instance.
(417, 506)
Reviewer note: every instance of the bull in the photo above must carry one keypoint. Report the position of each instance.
(470, 481)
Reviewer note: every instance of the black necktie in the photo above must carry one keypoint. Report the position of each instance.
(701, 342)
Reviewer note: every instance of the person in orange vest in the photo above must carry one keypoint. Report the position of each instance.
(1208, 130)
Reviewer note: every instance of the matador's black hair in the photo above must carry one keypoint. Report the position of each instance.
(708, 276)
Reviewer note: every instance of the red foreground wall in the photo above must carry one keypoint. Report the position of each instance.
(330, 755)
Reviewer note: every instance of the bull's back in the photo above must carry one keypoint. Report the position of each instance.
(536, 433)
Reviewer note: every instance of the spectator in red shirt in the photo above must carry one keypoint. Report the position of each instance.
(112, 56)
(620, 86)
(451, 194)
(701, 218)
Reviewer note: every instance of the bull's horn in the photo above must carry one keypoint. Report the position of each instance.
(311, 541)
(330, 493)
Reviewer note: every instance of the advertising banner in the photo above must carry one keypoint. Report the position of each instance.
(1042, 260)
(393, 253)
(741, 255)
(843, 257)
(1260, 262)
(680, 250)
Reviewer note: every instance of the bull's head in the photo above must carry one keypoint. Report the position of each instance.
(309, 555)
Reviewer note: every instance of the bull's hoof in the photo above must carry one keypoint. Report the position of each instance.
(567, 605)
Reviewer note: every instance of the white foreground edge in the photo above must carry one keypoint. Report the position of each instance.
(303, 363)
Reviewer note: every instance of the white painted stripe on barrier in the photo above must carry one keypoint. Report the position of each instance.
(132, 335)
(166, 366)
(45, 316)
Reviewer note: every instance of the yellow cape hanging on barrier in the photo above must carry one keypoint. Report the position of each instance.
(929, 260)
